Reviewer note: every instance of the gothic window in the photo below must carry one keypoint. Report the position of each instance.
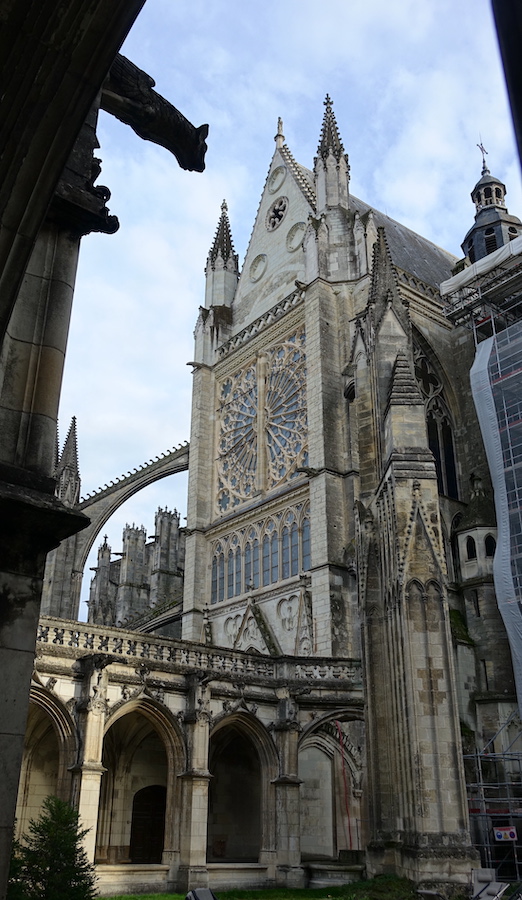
(230, 574)
(238, 571)
(471, 548)
(282, 550)
(248, 566)
(266, 560)
(490, 545)
(306, 543)
(294, 550)
(221, 576)
(274, 554)
(213, 593)
(262, 424)
(438, 420)
(255, 564)
(285, 553)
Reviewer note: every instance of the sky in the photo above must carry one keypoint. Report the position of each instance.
(416, 85)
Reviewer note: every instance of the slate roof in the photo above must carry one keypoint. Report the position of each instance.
(410, 251)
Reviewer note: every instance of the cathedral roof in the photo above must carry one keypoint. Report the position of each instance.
(410, 251)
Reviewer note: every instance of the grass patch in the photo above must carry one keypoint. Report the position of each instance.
(384, 887)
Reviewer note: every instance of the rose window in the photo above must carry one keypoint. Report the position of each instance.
(276, 213)
(262, 424)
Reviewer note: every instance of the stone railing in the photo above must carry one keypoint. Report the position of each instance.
(79, 639)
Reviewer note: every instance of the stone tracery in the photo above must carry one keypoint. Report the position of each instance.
(267, 398)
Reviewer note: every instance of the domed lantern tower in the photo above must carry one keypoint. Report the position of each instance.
(493, 226)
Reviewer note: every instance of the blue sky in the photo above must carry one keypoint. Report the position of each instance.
(415, 83)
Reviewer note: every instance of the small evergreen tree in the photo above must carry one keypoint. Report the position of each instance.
(51, 863)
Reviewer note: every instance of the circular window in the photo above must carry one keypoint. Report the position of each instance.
(276, 179)
(512, 229)
(276, 213)
(258, 267)
(295, 236)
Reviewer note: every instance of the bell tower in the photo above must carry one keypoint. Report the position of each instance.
(493, 225)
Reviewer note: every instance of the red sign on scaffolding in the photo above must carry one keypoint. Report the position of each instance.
(505, 833)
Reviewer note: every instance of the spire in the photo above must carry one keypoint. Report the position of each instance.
(223, 245)
(222, 269)
(384, 288)
(67, 469)
(331, 169)
(69, 457)
(330, 138)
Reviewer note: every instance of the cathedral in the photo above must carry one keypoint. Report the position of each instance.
(288, 691)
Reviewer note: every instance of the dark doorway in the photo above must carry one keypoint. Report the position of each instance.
(148, 824)
(234, 819)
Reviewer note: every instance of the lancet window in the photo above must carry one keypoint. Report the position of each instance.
(439, 424)
(263, 434)
(261, 555)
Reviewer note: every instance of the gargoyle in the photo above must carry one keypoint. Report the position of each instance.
(127, 94)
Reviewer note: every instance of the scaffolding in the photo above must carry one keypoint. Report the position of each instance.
(494, 789)
(487, 297)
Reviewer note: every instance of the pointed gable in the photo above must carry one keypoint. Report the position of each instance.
(274, 259)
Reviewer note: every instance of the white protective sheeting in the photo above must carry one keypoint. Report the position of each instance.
(504, 587)
(486, 264)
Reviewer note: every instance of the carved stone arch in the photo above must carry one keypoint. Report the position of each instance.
(147, 715)
(422, 344)
(414, 589)
(59, 714)
(162, 720)
(442, 406)
(246, 725)
(50, 710)
(331, 766)
(303, 513)
(253, 728)
(433, 588)
(324, 733)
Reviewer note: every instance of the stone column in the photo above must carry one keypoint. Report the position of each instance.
(32, 522)
(193, 851)
(91, 710)
(289, 871)
(200, 504)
